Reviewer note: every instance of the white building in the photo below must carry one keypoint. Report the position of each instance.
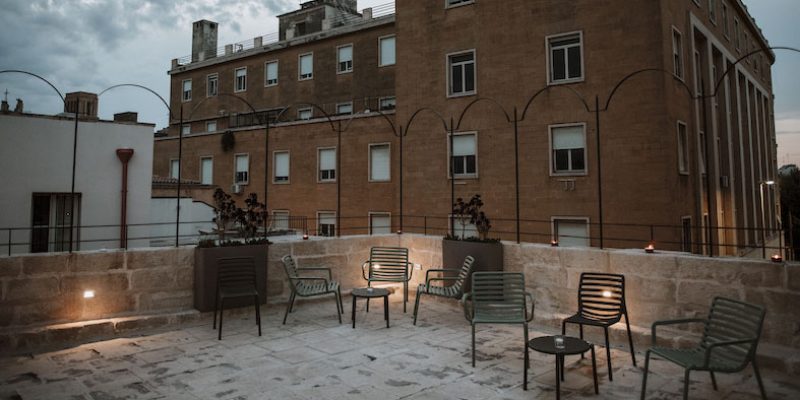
(36, 171)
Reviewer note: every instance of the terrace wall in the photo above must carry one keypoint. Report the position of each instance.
(47, 289)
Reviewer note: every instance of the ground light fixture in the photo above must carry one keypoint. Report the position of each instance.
(776, 258)
(651, 248)
(88, 294)
(554, 243)
(305, 236)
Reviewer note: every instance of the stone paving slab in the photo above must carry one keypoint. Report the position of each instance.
(314, 357)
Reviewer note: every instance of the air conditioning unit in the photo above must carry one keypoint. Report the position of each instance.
(236, 188)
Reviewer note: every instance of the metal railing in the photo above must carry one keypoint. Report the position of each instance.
(358, 105)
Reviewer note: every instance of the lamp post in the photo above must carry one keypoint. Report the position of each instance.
(763, 217)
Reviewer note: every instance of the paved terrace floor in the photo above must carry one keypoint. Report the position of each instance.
(314, 357)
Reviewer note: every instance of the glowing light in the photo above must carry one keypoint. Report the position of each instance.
(376, 266)
(88, 294)
(776, 258)
(399, 232)
(606, 293)
(650, 248)
(305, 236)
(554, 243)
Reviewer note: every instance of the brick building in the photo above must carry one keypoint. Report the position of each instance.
(680, 155)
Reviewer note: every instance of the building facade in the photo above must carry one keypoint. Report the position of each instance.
(588, 122)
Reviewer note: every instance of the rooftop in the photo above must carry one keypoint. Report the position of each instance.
(315, 357)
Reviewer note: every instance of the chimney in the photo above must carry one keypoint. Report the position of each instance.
(128, 116)
(204, 40)
(4, 107)
(85, 103)
(19, 107)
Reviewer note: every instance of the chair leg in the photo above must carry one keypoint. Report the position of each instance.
(216, 307)
(580, 327)
(526, 359)
(758, 379)
(713, 380)
(369, 284)
(416, 305)
(336, 300)
(563, 328)
(221, 309)
(288, 307)
(341, 305)
(644, 376)
(258, 314)
(405, 296)
(630, 338)
(473, 345)
(608, 354)
(686, 384)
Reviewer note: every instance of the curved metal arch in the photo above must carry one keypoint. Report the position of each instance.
(63, 100)
(313, 105)
(473, 102)
(419, 110)
(549, 87)
(732, 68)
(641, 71)
(169, 110)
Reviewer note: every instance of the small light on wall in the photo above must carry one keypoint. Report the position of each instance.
(88, 294)
(399, 232)
(650, 248)
(554, 243)
(305, 236)
(607, 293)
(776, 258)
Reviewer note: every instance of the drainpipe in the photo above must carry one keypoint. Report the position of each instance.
(124, 155)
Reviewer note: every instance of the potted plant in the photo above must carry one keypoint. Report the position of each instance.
(229, 219)
(488, 252)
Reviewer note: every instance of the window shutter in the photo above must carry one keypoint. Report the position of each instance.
(379, 163)
(464, 145)
(241, 164)
(387, 51)
(327, 219)
(306, 64)
(381, 224)
(281, 164)
(272, 71)
(327, 159)
(569, 137)
(572, 233)
(345, 53)
(207, 171)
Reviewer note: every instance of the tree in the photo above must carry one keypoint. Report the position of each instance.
(789, 183)
(225, 212)
(470, 212)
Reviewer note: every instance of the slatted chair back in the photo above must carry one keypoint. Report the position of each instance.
(236, 272)
(388, 263)
(291, 271)
(463, 274)
(601, 296)
(733, 320)
(498, 297)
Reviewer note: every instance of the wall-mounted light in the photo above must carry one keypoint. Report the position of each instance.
(305, 236)
(88, 294)
(554, 243)
(399, 232)
(776, 258)
(651, 248)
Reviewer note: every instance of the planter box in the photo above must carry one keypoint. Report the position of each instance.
(205, 274)
(488, 256)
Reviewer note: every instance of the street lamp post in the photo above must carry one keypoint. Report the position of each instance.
(763, 217)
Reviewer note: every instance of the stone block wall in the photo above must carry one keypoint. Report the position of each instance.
(48, 288)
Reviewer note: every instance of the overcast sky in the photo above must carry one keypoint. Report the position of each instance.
(90, 45)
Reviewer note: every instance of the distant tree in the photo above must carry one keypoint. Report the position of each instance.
(789, 183)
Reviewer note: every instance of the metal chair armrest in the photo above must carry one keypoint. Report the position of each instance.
(533, 305)
(443, 279)
(303, 278)
(428, 272)
(713, 346)
(468, 311)
(328, 270)
(363, 270)
(409, 271)
(674, 322)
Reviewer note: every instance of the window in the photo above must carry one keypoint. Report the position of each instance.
(387, 51)
(187, 90)
(726, 26)
(453, 3)
(465, 155)
(379, 162)
(306, 66)
(461, 74)
(280, 220)
(242, 163)
(206, 170)
(50, 230)
(304, 113)
(271, 73)
(344, 55)
(566, 58)
(380, 223)
(212, 85)
(712, 10)
(211, 126)
(327, 164)
(240, 84)
(747, 46)
(463, 228)
(683, 149)
(280, 166)
(569, 149)
(686, 234)
(344, 108)
(326, 223)
(387, 103)
(736, 34)
(677, 52)
(174, 169)
(186, 129)
(571, 232)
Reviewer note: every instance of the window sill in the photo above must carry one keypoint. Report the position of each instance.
(568, 174)
(271, 85)
(464, 177)
(459, 95)
(386, 65)
(567, 81)
(305, 79)
(327, 181)
(467, 3)
(344, 72)
(240, 91)
(380, 181)
(281, 182)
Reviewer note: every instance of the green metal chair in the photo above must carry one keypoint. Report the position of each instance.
(498, 298)
(388, 264)
(453, 291)
(730, 338)
(310, 286)
(236, 277)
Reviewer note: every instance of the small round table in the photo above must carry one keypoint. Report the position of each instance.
(572, 345)
(369, 293)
